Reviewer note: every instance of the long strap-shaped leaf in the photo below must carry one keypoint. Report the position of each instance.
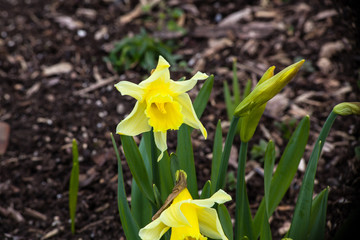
(221, 173)
(216, 160)
(285, 171)
(300, 222)
(74, 185)
(269, 160)
(130, 227)
(318, 216)
(243, 220)
(137, 166)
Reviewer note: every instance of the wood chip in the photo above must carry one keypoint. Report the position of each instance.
(33, 213)
(235, 17)
(4, 136)
(69, 22)
(59, 68)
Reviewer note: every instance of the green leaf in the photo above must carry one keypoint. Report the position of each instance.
(268, 170)
(318, 216)
(137, 166)
(216, 160)
(129, 225)
(174, 165)
(243, 220)
(184, 152)
(202, 98)
(206, 191)
(74, 185)
(166, 180)
(300, 221)
(228, 101)
(221, 172)
(145, 151)
(285, 171)
(225, 220)
(140, 206)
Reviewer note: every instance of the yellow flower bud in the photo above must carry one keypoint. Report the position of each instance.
(267, 90)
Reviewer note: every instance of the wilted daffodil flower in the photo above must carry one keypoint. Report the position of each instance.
(162, 104)
(267, 90)
(347, 108)
(188, 218)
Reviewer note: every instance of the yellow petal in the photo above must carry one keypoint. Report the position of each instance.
(188, 111)
(135, 123)
(210, 224)
(219, 197)
(178, 87)
(267, 75)
(131, 89)
(160, 141)
(173, 216)
(154, 230)
(161, 73)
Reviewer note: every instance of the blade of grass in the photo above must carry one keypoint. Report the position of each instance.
(206, 191)
(74, 185)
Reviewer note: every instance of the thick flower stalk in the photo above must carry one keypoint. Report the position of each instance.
(162, 104)
(188, 219)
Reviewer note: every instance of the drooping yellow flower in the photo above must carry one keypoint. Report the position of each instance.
(162, 104)
(188, 219)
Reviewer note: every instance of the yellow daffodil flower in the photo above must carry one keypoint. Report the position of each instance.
(347, 108)
(267, 90)
(188, 219)
(162, 104)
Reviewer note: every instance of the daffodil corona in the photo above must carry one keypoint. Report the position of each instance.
(162, 104)
(188, 219)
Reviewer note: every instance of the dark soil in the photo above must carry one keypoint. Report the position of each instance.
(46, 110)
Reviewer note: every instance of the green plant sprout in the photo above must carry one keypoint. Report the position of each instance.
(140, 50)
(74, 185)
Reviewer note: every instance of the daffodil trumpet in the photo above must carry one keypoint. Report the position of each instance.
(162, 104)
(188, 219)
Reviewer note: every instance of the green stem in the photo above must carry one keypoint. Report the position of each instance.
(226, 153)
(324, 132)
